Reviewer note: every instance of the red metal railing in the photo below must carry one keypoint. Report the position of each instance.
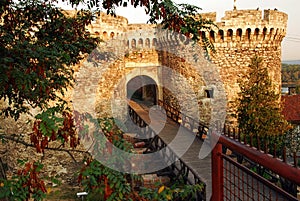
(234, 176)
(233, 180)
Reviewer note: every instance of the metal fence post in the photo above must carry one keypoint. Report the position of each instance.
(217, 173)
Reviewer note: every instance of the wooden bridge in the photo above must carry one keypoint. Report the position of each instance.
(189, 165)
(224, 178)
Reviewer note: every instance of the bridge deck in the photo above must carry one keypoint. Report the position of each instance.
(202, 167)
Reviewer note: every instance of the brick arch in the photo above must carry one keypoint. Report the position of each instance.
(265, 31)
(276, 34)
(105, 36)
(239, 34)
(147, 43)
(256, 33)
(142, 88)
(140, 43)
(229, 34)
(281, 34)
(112, 35)
(248, 34)
(221, 35)
(133, 43)
(271, 34)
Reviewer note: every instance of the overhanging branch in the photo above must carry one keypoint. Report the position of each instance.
(17, 139)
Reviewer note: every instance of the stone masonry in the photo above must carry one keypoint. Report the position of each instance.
(240, 35)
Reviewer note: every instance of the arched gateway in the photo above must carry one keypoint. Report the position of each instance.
(142, 88)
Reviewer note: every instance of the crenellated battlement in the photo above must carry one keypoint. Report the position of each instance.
(238, 28)
(255, 18)
(108, 27)
(248, 27)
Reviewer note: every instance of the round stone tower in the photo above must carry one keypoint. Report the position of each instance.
(241, 35)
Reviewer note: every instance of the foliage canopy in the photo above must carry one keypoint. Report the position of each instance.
(258, 105)
(38, 44)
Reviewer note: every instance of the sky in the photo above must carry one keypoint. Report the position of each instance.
(291, 43)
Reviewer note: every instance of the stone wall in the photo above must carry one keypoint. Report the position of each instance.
(182, 82)
(241, 34)
(102, 80)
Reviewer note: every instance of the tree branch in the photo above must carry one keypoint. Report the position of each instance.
(16, 139)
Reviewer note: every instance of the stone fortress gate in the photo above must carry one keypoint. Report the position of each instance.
(241, 34)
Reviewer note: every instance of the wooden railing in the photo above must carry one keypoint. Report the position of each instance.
(196, 127)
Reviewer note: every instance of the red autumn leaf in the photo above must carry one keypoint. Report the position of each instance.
(107, 191)
(44, 143)
(43, 186)
(38, 148)
(53, 136)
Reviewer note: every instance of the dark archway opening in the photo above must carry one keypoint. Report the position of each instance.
(142, 89)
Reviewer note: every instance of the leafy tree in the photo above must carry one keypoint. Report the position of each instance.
(260, 119)
(291, 76)
(290, 73)
(258, 105)
(174, 192)
(39, 43)
(26, 182)
(100, 181)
